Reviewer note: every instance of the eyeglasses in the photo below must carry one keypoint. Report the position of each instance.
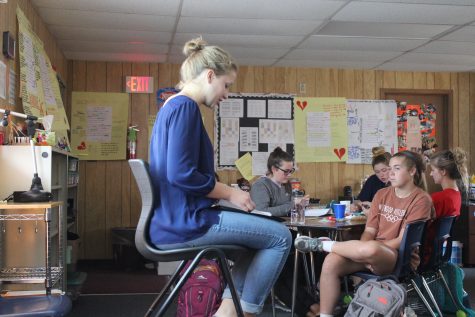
(286, 172)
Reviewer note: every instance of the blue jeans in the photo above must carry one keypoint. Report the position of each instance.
(254, 272)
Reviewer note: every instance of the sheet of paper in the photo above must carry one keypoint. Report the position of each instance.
(244, 165)
(231, 108)
(229, 129)
(256, 108)
(99, 124)
(275, 131)
(249, 139)
(280, 109)
(318, 129)
(3, 80)
(271, 146)
(259, 163)
(313, 212)
(46, 81)
(413, 138)
(228, 152)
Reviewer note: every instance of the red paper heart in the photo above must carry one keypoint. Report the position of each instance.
(302, 104)
(340, 152)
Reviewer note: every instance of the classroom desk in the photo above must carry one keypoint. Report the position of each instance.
(334, 229)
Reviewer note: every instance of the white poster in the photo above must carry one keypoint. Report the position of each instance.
(280, 109)
(371, 123)
(256, 108)
(259, 163)
(248, 139)
(231, 108)
(318, 129)
(275, 131)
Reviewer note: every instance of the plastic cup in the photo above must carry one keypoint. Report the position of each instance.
(347, 204)
(339, 211)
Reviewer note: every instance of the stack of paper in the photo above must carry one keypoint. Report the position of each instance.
(316, 212)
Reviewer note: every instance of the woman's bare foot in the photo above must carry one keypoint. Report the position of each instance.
(314, 310)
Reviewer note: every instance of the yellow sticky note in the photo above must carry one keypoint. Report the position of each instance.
(244, 165)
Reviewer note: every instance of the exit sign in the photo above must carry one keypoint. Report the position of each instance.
(139, 84)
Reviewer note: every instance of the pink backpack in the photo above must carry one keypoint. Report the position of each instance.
(201, 294)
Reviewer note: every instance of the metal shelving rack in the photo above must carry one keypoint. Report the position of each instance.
(49, 274)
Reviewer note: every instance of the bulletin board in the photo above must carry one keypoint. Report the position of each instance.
(254, 124)
(416, 126)
(371, 123)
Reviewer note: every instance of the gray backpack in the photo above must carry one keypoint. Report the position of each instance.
(385, 298)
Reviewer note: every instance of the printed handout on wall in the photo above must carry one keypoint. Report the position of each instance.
(231, 108)
(274, 131)
(318, 129)
(256, 108)
(371, 123)
(248, 139)
(279, 109)
(229, 135)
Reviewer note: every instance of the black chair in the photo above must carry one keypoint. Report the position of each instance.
(403, 271)
(440, 254)
(149, 251)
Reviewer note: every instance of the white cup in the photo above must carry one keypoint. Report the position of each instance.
(347, 204)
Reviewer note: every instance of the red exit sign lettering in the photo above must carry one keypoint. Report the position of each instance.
(139, 84)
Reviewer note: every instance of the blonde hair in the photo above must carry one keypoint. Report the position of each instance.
(201, 56)
(380, 156)
(454, 162)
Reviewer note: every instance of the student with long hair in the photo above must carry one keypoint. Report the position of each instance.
(449, 169)
(182, 171)
(377, 250)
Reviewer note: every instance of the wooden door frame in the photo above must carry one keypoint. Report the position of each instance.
(448, 93)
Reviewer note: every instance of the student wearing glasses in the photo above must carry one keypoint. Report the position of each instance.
(379, 180)
(272, 193)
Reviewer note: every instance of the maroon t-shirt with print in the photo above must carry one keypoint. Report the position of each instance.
(389, 213)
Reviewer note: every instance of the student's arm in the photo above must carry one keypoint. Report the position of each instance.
(368, 234)
(238, 197)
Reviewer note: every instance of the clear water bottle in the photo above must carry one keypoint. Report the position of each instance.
(297, 211)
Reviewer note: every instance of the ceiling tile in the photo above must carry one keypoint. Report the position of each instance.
(242, 40)
(239, 51)
(246, 26)
(115, 57)
(106, 20)
(358, 11)
(114, 47)
(156, 7)
(325, 42)
(340, 55)
(447, 2)
(448, 47)
(425, 67)
(325, 64)
(374, 29)
(444, 59)
(262, 9)
(110, 35)
(466, 33)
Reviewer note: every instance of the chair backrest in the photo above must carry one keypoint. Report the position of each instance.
(443, 234)
(411, 239)
(142, 177)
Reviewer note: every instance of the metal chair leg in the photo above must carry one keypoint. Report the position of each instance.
(431, 296)
(446, 285)
(422, 297)
(272, 296)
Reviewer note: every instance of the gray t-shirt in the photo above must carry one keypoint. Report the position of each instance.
(268, 196)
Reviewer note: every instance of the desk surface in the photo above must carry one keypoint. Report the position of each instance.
(324, 223)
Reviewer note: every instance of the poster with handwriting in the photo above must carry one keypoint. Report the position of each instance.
(371, 123)
(321, 133)
(99, 125)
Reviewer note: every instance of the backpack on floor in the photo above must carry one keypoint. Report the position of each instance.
(378, 298)
(201, 294)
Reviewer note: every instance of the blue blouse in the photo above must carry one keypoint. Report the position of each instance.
(182, 172)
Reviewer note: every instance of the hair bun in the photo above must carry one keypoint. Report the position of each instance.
(194, 46)
(378, 150)
(460, 156)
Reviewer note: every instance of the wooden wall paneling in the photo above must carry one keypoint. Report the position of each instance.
(464, 111)
(279, 85)
(78, 83)
(175, 75)
(113, 168)
(322, 83)
(430, 80)
(404, 80)
(389, 79)
(453, 115)
(379, 83)
(140, 105)
(471, 149)
(258, 78)
(152, 106)
(269, 80)
(442, 80)
(95, 242)
(127, 181)
(420, 80)
(291, 80)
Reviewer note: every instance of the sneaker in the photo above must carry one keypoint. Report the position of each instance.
(307, 244)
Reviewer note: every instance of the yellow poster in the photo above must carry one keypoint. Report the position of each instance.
(99, 125)
(244, 165)
(320, 129)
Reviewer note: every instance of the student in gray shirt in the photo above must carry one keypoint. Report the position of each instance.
(272, 193)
